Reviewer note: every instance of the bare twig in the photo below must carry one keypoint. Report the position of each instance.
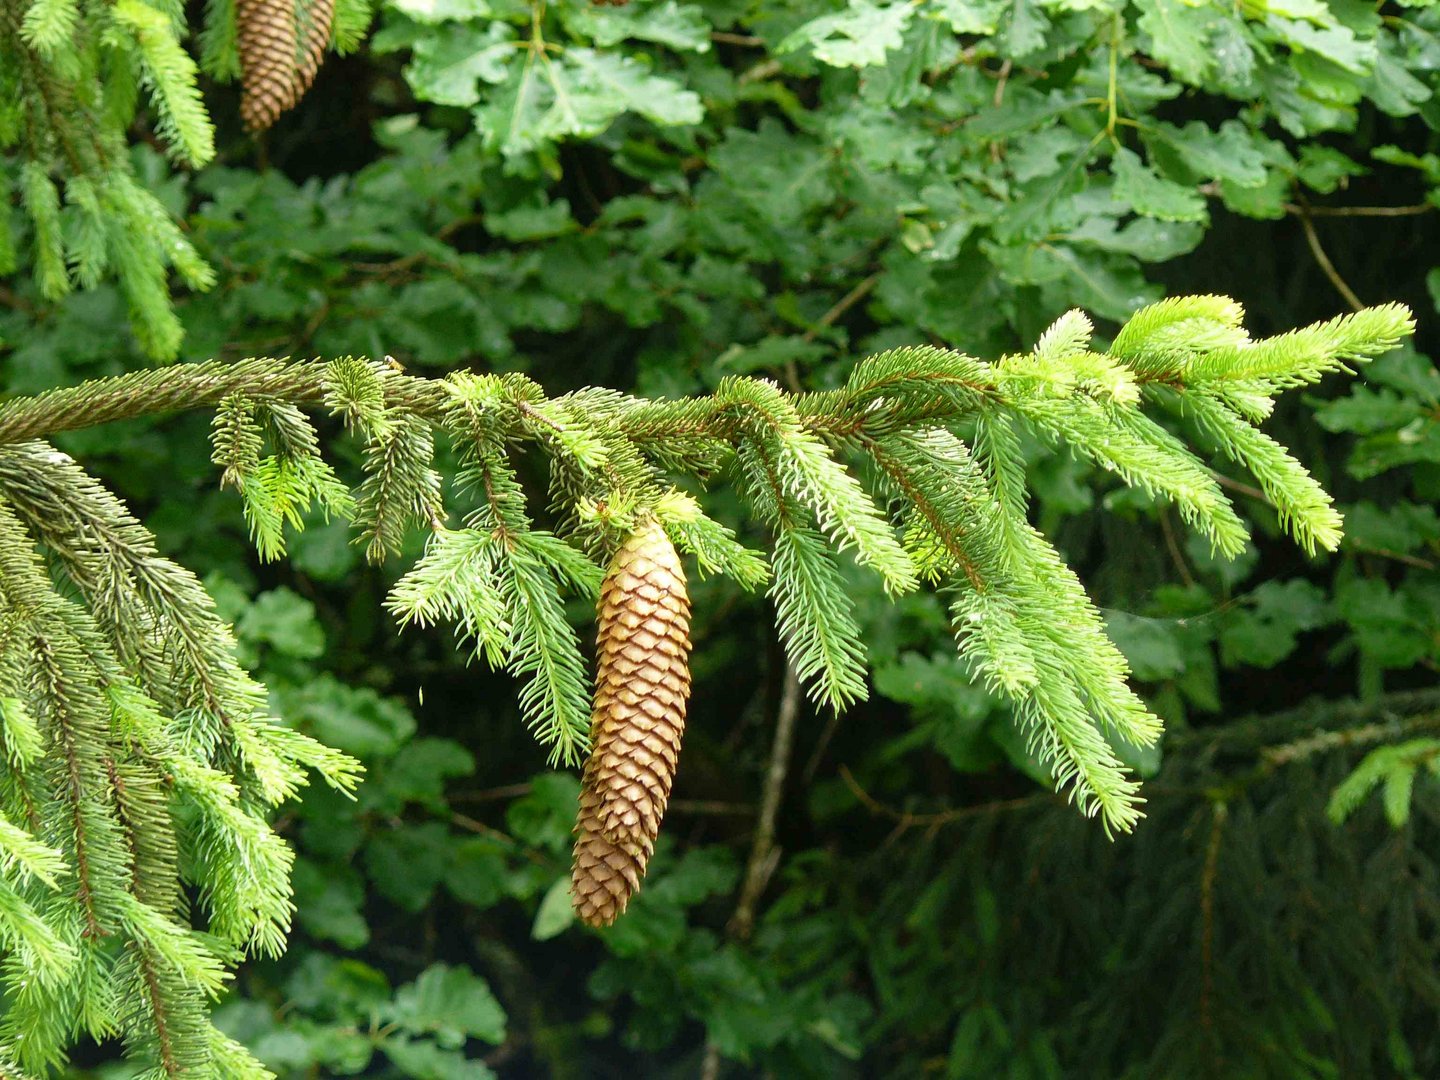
(841, 306)
(495, 794)
(1001, 79)
(709, 808)
(9, 298)
(469, 824)
(764, 855)
(1172, 545)
(710, 1063)
(1399, 556)
(765, 69)
(1385, 553)
(1323, 261)
(1359, 211)
(1251, 736)
(745, 41)
(405, 262)
(1219, 814)
(837, 310)
(821, 745)
(906, 820)
(1242, 487)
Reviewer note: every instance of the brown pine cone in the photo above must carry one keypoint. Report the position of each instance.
(320, 14)
(265, 30)
(642, 684)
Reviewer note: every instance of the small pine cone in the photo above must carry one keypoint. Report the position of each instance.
(266, 33)
(642, 684)
(320, 15)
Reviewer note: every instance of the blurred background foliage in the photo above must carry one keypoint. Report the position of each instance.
(653, 196)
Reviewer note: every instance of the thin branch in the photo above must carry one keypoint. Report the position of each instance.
(765, 69)
(1242, 487)
(691, 807)
(1219, 815)
(822, 744)
(1002, 77)
(745, 41)
(907, 820)
(1172, 545)
(1359, 211)
(1341, 286)
(9, 298)
(764, 855)
(1347, 738)
(495, 794)
(1251, 736)
(1269, 758)
(190, 386)
(1399, 556)
(841, 306)
(709, 808)
(469, 824)
(837, 310)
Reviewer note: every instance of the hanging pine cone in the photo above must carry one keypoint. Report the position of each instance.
(642, 684)
(265, 30)
(320, 15)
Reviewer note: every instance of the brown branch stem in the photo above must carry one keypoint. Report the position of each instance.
(1359, 211)
(764, 855)
(1326, 266)
(1219, 815)
(192, 386)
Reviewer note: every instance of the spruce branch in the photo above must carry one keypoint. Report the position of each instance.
(170, 75)
(1306, 511)
(48, 24)
(73, 90)
(138, 759)
(900, 410)
(888, 410)
(194, 386)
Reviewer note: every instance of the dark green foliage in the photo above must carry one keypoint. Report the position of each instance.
(1205, 930)
(672, 198)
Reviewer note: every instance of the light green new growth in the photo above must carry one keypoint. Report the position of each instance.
(138, 760)
(1392, 769)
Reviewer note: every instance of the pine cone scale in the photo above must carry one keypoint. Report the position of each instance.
(266, 39)
(316, 37)
(281, 47)
(641, 689)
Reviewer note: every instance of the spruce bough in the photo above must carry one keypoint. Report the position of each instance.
(138, 762)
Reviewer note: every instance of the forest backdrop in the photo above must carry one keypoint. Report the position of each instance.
(654, 196)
